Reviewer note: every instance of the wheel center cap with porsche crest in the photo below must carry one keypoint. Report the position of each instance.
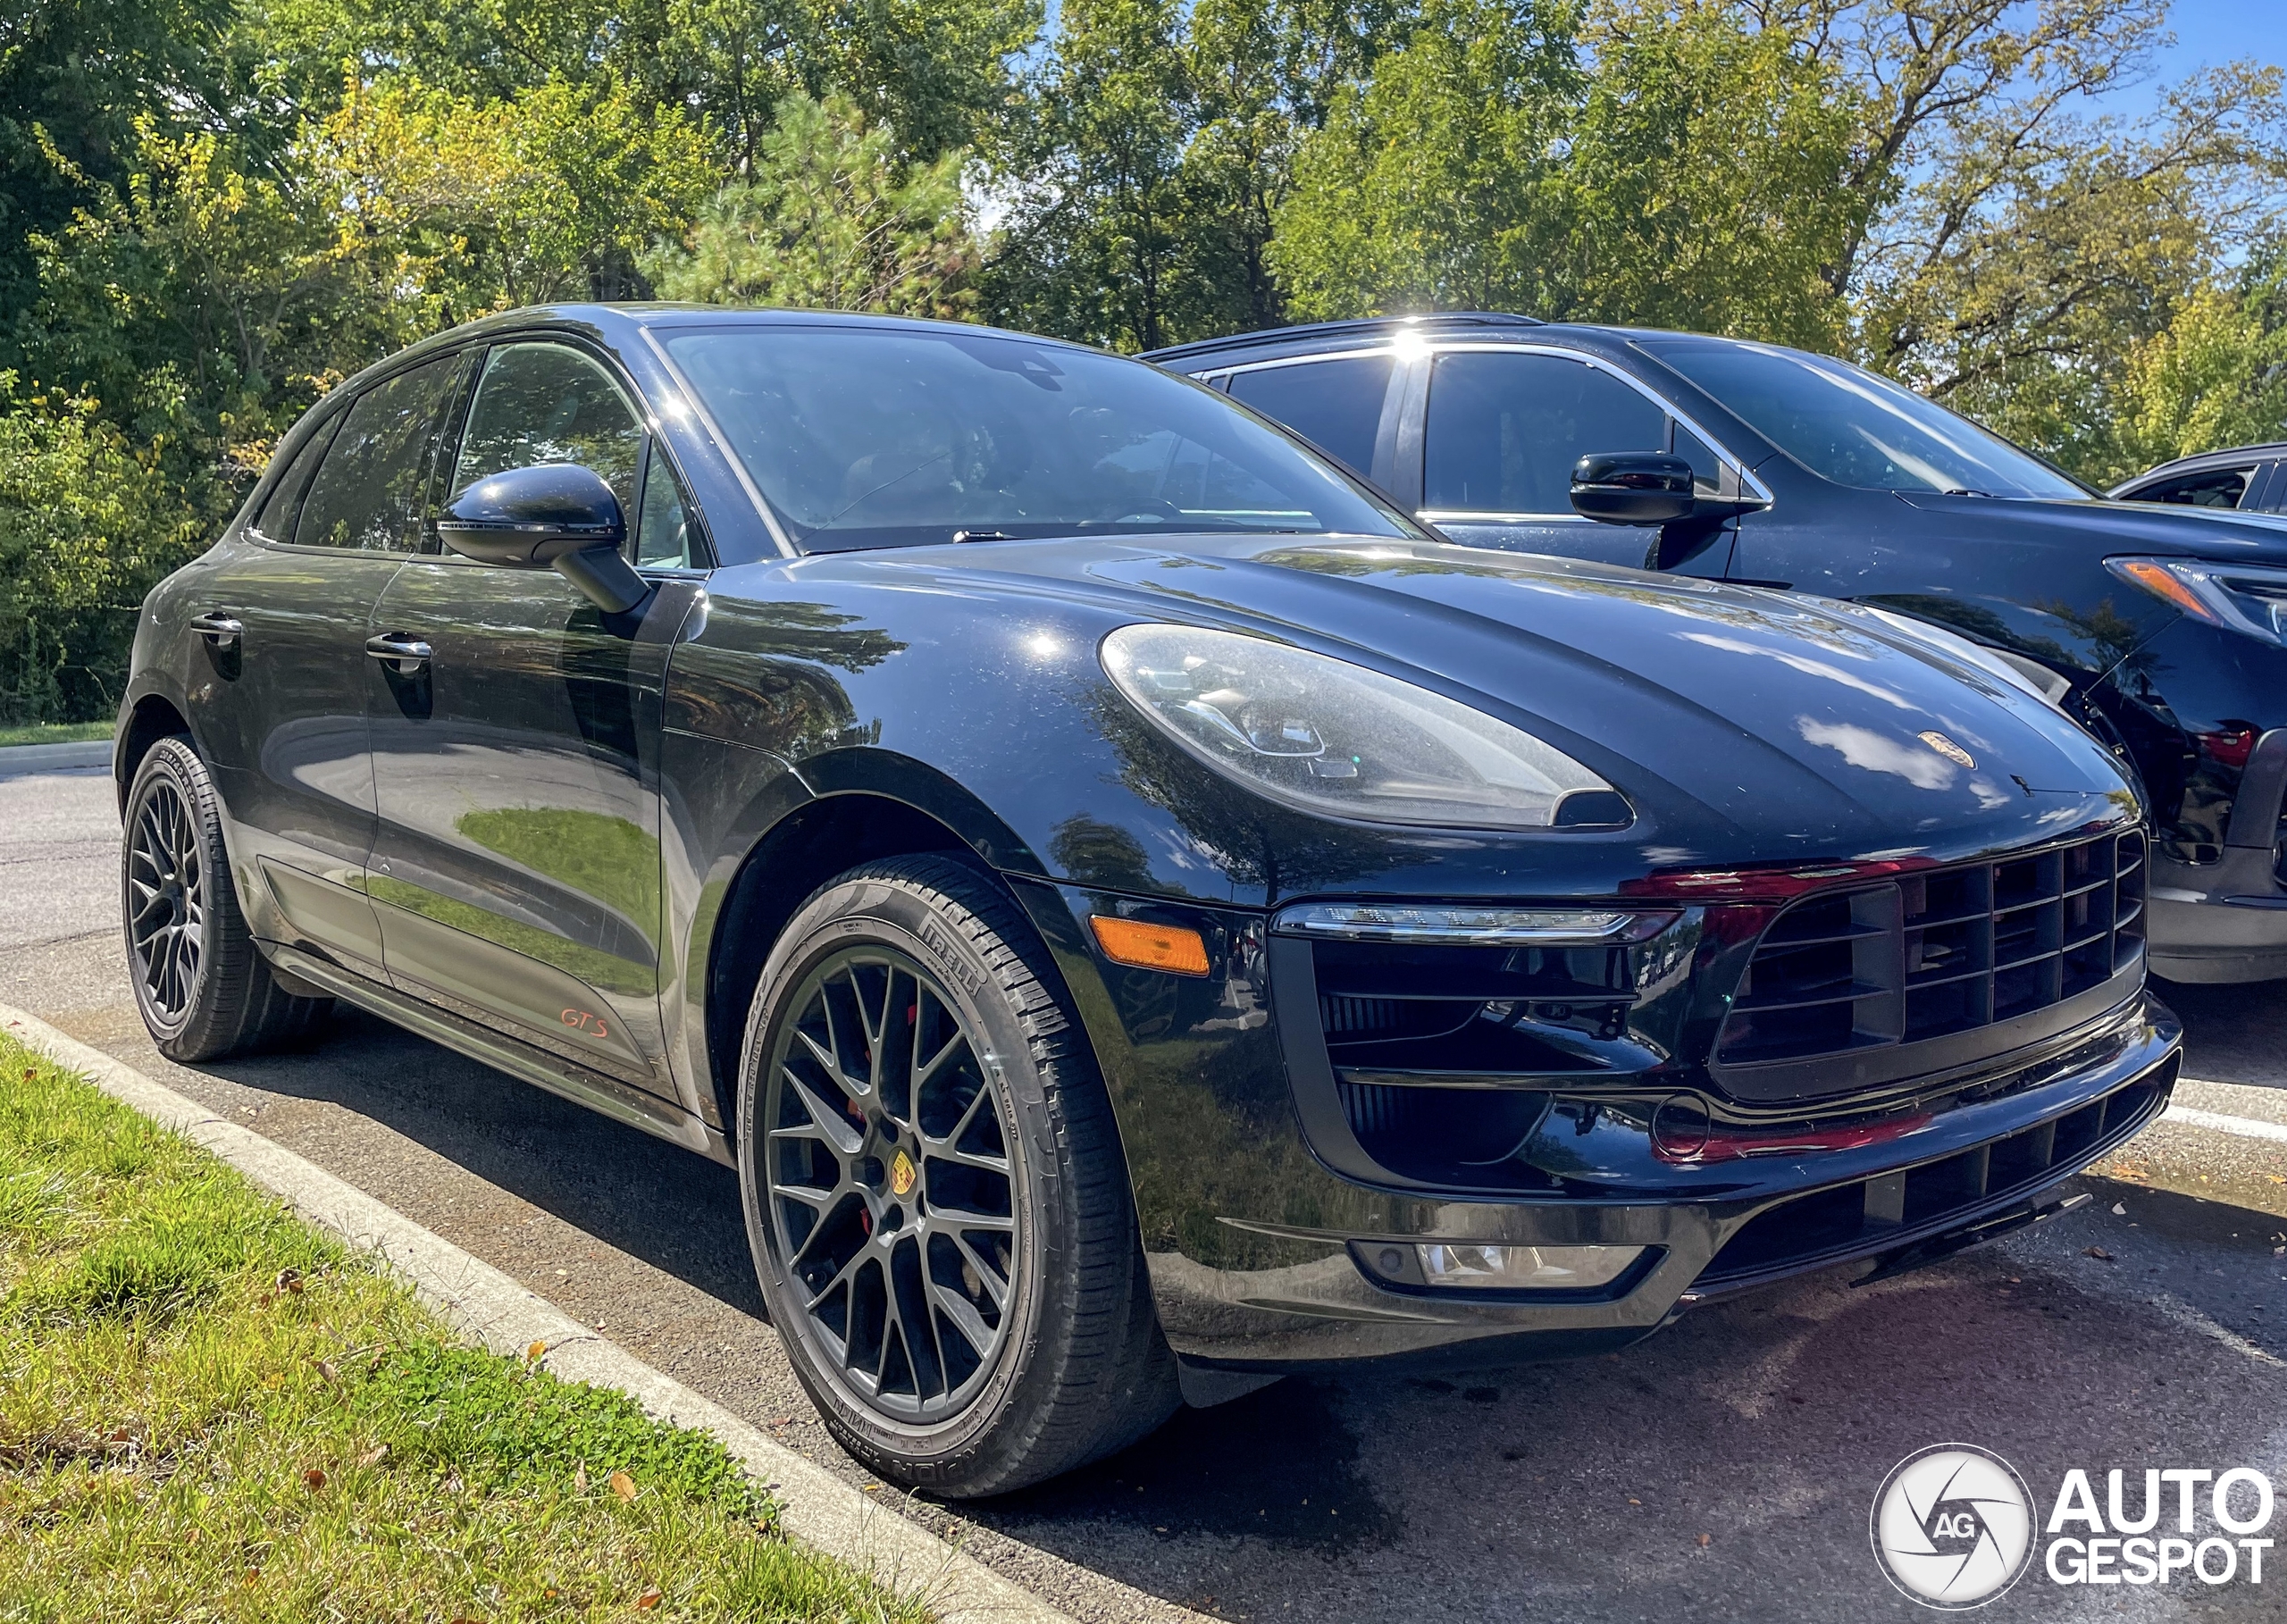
(1947, 748)
(902, 1174)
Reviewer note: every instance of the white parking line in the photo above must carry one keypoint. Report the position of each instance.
(2247, 1127)
(2192, 1320)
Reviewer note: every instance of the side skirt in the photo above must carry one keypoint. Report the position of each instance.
(557, 1075)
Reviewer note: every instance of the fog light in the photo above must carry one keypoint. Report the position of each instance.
(1523, 1268)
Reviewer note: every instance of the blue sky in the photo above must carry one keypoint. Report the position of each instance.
(2209, 32)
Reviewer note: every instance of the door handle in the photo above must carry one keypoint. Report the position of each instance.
(406, 656)
(223, 631)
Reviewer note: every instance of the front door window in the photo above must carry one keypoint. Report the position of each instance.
(1503, 431)
(547, 403)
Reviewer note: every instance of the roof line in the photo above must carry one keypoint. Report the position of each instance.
(1370, 324)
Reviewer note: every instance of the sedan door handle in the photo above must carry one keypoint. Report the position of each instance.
(404, 655)
(223, 631)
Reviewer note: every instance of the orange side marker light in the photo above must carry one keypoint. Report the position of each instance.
(1149, 947)
(2156, 580)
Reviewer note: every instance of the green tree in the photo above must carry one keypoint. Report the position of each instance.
(2215, 376)
(85, 527)
(1095, 245)
(830, 220)
(1432, 185)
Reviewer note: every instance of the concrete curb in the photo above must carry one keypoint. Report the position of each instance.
(819, 1509)
(17, 760)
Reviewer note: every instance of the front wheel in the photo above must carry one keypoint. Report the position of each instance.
(934, 1190)
(204, 988)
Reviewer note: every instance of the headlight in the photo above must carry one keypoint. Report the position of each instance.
(2245, 598)
(1331, 737)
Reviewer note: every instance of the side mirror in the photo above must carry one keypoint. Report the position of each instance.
(554, 516)
(1633, 487)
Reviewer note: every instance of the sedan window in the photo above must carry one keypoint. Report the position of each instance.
(2211, 488)
(549, 402)
(1503, 431)
(368, 491)
(864, 438)
(1334, 405)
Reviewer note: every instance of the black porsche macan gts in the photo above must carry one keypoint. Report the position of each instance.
(1140, 914)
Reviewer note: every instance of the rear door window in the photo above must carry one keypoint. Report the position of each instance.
(283, 506)
(1336, 404)
(1503, 431)
(370, 489)
(2211, 488)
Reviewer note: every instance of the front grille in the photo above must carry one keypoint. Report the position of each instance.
(1876, 1214)
(1943, 951)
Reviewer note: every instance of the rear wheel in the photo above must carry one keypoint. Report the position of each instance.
(934, 1190)
(203, 986)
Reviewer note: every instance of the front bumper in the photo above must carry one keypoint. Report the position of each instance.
(1263, 1259)
(1965, 1171)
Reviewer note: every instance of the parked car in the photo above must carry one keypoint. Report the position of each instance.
(1138, 913)
(2158, 627)
(2252, 479)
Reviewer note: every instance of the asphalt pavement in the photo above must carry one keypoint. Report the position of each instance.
(1723, 1470)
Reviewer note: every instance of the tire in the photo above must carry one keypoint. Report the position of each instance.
(959, 1284)
(204, 988)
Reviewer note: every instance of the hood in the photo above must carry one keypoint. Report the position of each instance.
(1744, 724)
(2123, 527)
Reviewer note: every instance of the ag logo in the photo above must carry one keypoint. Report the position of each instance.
(1947, 748)
(902, 1174)
(1952, 1525)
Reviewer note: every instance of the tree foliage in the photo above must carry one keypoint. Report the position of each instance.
(85, 527)
(211, 210)
(830, 220)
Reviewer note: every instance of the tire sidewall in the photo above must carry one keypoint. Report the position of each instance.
(898, 915)
(171, 760)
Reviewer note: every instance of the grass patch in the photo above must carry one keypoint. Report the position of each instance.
(55, 732)
(211, 1410)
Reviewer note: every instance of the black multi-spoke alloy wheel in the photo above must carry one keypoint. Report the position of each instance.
(203, 986)
(934, 1190)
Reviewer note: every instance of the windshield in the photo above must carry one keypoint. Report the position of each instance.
(864, 438)
(1854, 428)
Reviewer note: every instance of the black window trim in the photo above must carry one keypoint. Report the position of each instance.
(1749, 488)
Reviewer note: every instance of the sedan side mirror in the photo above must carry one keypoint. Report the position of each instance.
(554, 516)
(1633, 487)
